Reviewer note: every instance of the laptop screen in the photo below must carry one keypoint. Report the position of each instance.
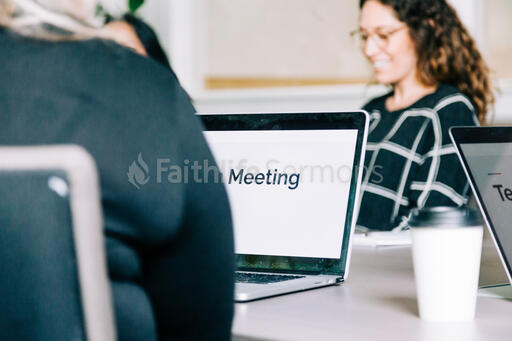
(291, 186)
(486, 153)
(491, 167)
(288, 189)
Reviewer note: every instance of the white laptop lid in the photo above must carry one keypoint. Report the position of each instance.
(292, 181)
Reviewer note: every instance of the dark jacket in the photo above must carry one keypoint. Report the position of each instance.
(169, 243)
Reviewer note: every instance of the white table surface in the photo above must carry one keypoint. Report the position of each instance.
(377, 302)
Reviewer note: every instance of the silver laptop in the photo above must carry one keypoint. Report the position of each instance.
(293, 182)
(486, 155)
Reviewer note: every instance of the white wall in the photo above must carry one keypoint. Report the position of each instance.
(196, 33)
(322, 98)
(258, 39)
(296, 99)
(503, 108)
(179, 25)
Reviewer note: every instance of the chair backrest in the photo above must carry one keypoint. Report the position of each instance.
(53, 283)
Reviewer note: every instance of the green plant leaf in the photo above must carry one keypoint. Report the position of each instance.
(133, 5)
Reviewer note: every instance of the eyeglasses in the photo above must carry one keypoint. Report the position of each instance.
(381, 37)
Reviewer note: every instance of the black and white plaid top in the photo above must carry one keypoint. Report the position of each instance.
(410, 161)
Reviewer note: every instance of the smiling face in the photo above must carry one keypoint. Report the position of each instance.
(387, 44)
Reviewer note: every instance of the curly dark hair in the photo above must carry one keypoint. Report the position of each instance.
(446, 51)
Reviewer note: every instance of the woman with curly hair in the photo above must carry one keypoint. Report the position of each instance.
(438, 78)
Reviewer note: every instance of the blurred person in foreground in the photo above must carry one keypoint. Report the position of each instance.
(169, 238)
(438, 79)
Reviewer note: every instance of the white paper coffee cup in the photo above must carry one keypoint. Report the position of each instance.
(446, 247)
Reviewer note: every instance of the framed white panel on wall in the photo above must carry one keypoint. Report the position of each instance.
(283, 40)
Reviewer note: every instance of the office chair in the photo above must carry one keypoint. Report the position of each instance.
(53, 283)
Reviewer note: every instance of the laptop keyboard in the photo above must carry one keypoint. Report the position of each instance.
(255, 278)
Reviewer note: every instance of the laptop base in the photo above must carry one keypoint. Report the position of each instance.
(503, 291)
(245, 292)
